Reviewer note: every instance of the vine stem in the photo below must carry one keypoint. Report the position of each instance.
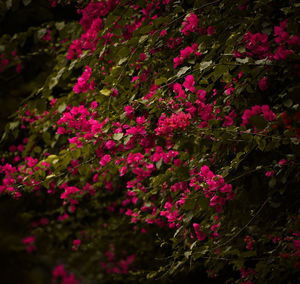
(249, 222)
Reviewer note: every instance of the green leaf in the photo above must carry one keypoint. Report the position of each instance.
(61, 108)
(258, 121)
(189, 204)
(145, 29)
(123, 52)
(41, 33)
(51, 176)
(76, 153)
(118, 136)
(84, 170)
(272, 182)
(105, 92)
(143, 38)
(9, 4)
(182, 71)
(261, 142)
(188, 216)
(248, 253)
(66, 161)
(288, 103)
(158, 164)
(205, 64)
(227, 77)
(60, 25)
(14, 125)
(122, 60)
(219, 71)
(242, 60)
(37, 149)
(46, 137)
(160, 81)
(26, 2)
(187, 254)
(238, 263)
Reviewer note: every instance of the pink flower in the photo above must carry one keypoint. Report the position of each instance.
(140, 120)
(114, 92)
(190, 24)
(18, 67)
(269, 173)
(296, 244)
(189, 83)
(143, 56)
(129, 111)
(263, 83)
(282, 162)
(249, 242)
(82, 84)
(135, 78)
(295, 40)
(177, 162)
(69, 191)
(76, 244)
(194, 46)
(4, 62)
(31, 162)
(256, 109)
(105, 160)
(63, 217)
(47, 36)
(176, 121)
(267, 113)
(94, 105)
(53, 102)
(210, 30)
(184, 53)
(28, 240)
(12, 148)
(61, 130)
(178, 89)
(177, 61)
(282, 52)
(163, 33)
(44, 221)
(193, 20)
(199, 234)
(110, 144)
(243, 6)
(21, 148)
(214, 227)
(59, 271)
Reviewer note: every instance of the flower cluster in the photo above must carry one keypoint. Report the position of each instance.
(82, 85)
(121, 266)
(267, 113)
(29, 241)
(92, 23)
(166, 126)
(152, 157)
(258, 44)
(185, 53)
(3, 61)
(215, 188)
(190, 24)
(59, 272)
(249, 242)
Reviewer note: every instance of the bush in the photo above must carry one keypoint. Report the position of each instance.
(157, 141)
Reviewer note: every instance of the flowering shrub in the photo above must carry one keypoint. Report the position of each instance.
(161, 143)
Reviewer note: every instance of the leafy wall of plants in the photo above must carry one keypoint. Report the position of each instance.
(156, 140)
